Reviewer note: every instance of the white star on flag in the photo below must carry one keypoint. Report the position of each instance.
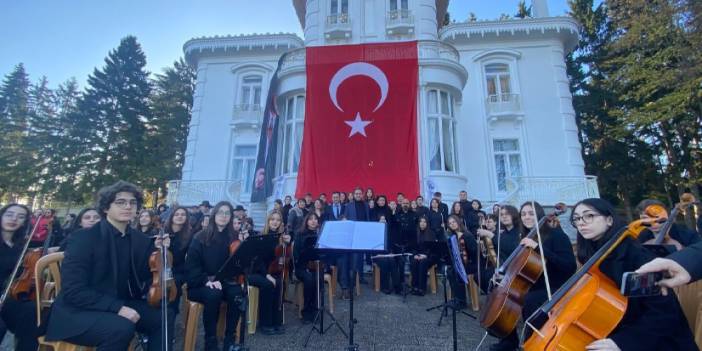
(358, 125)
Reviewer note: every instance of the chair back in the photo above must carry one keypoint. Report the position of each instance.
(47, 281)
(690, 298)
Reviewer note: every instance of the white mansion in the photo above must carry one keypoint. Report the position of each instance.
(495, 111)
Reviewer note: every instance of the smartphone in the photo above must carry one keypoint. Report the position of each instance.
(638, 285)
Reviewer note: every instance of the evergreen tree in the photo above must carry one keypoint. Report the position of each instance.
(15, 159)
(115, 106)
(41, 136)
(523, 11)
(168, 132)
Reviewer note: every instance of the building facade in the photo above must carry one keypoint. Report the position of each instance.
(495, 111)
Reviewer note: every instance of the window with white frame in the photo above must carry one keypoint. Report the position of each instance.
(243, 164)
(250, 97)
(338, 11)
(399, 5)
(441, 123)
(292, 127)
(508, 161)
(498, 82)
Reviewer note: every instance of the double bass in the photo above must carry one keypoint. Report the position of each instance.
(586, 308)
(520, 271)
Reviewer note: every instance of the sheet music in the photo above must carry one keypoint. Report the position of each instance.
(352, 235)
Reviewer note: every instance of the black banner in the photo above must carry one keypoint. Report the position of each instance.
(268, 143)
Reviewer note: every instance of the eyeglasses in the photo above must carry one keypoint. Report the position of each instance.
(586, 219)
(121, 203)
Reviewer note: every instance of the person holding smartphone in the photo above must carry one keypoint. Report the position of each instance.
(650, 322)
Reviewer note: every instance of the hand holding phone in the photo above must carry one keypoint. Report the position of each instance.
(639, 285)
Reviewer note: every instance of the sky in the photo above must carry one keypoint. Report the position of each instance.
(70, 38)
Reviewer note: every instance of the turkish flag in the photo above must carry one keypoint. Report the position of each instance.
(360, 119)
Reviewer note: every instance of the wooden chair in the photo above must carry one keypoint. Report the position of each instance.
(48, 269)
(194, 310)
(300, 298)
(472, 292)
(690, 298)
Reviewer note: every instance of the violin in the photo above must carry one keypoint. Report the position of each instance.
(24, 289)
(487, 247)
(162, 282)
(587, 307)
(660, 214)
(233, 247)
(520, 271)
(283, 255)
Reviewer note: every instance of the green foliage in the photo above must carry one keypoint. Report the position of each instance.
(523, 11)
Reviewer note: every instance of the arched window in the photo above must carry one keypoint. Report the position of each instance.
(441, 123)
(292, 127)
(250, 96)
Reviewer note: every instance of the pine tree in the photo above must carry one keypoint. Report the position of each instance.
(15, 160)
(41, 136)
(168, 132)
(523, 11)
(115, 105)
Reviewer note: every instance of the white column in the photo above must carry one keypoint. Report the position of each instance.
(539, 8)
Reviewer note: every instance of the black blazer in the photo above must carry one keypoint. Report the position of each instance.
(329, 213)
(689, 258)
(89, 279)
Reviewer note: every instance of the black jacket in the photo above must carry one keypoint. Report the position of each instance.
(560, 260)
(8, 260)
(303, 250)
(204, 261)
(407, 228)
(689, 258)
(89, 278)
(179, 248)
(649, 323)
(329, 213)
(471, 249)
(436, 219)
(681, 233)
(509, 240)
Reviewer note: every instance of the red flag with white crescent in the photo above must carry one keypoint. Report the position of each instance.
(360, 125)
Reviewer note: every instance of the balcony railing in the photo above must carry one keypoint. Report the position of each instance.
(550, 190)
(193, 192)
(338, 26)
(503, 103)
(399, 22)
(247, 115)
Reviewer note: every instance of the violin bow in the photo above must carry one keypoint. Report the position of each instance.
(541, 249)
(20, 259)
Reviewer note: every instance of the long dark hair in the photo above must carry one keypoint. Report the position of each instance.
(459, 220)
(544, 230)
(303, 226)
(427, 234)
(185, 232)
(453, 209)
(587, 248)
(75, 225)
(153, 221)
(209, 232)
(514, 213)
(21, 233)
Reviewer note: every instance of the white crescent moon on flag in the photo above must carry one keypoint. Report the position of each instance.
(359, 69)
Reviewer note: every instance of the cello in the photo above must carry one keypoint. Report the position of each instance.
(587, 307)
(520, 271)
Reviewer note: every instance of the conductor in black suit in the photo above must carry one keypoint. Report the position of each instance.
(105, 275)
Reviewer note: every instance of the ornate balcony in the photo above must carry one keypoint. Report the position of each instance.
(399, 22)
(247, 116)
(550, 190)
(503, 104)
(338, 27)
(193, 192)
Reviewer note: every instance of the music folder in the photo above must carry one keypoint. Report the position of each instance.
(353, 236)
(261, 247)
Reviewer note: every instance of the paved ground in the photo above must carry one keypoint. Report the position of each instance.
(384, 323)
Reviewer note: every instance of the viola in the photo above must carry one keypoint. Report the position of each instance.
(659, 213)
(24, 289)
(586, 308)
(160, 265)
(520, 271)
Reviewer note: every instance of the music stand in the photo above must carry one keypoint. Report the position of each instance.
(250, 250)
(353, 237)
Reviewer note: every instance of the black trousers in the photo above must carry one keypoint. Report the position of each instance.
(20, 317)
(113, 332)
(232, 294)
(269, 304)
(391, 272)
(311, 282)
(419, 269)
